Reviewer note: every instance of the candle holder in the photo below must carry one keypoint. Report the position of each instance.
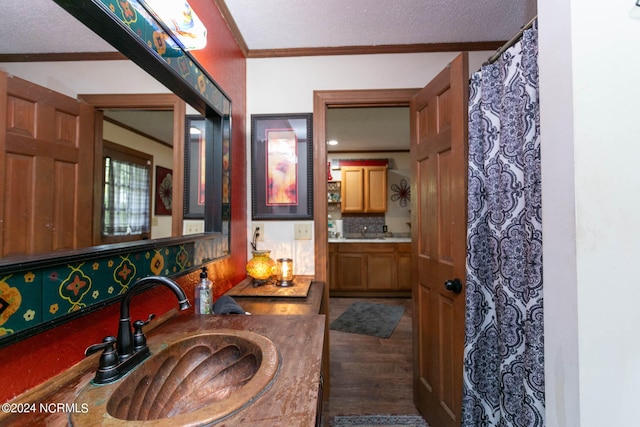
(284, 276)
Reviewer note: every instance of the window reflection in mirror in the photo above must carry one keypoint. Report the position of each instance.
(126, 194)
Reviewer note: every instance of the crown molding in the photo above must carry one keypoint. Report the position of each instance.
(377, 49)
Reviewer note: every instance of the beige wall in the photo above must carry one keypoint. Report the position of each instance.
(286, 85)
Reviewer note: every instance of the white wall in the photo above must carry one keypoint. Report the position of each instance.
(589, 90)
(286, 85)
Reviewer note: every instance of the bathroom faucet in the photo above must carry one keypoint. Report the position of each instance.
(130, 348)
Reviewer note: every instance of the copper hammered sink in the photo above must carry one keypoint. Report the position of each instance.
(186, 381)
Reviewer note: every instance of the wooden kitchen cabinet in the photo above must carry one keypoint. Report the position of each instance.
(403, 263)
(381, 271)
(361, 269)
(364, 189)
(351, 269)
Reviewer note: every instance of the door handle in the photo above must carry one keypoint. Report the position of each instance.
(454, 285)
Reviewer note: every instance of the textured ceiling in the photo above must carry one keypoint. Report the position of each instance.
(41, 26)
(278, 24)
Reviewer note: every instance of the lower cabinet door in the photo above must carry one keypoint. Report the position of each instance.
(381, 272)
(351, 272)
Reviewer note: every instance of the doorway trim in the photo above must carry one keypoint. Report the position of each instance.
(163, 102)
(338, 99)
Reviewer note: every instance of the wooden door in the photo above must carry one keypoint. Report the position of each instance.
(375, 189)
(351, 189)
(46, 169)
(439, 182)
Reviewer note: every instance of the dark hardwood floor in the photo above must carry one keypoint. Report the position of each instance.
(371, 375)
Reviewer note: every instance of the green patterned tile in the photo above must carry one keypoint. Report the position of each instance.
(20, 301)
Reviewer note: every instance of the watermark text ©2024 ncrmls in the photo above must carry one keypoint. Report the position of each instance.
(45, 407)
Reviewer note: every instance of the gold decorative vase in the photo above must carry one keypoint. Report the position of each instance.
(261, 267)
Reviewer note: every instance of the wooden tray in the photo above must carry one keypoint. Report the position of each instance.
(245, 288)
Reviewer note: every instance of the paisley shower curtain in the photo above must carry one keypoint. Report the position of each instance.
(504, 342)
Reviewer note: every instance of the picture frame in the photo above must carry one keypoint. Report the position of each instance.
(164, 191)
(194, 167)
(282, 166)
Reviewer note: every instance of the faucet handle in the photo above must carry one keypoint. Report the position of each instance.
(139, 340)
(107, 344)
(138, 324)
(109, 356)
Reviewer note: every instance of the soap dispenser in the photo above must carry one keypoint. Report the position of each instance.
(204, 294)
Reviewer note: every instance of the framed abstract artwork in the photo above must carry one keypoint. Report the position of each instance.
(164, 190)
(282, 166)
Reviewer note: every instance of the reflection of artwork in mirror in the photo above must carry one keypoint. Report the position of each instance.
(195, 160)
(281, 166)
(164, 190)
(226, 175)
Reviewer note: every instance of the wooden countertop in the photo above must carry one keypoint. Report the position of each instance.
(290, 401)
(283, 305)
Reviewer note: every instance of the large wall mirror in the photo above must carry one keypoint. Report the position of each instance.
(129, 104)
(118, 115)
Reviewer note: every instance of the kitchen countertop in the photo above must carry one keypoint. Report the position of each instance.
(374, 240)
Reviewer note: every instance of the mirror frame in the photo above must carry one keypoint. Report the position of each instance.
(196, 87)
(203, 94)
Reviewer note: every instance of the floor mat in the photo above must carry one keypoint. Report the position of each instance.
(366, 318)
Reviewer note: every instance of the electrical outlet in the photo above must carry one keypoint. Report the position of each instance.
(193, 227)
(260, 226)
(302, 231)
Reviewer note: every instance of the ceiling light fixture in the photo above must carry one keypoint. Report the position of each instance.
(332, 142)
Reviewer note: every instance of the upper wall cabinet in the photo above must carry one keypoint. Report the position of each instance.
(364, 189)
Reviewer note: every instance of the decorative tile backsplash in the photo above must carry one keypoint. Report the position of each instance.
(356, 224)
(31, 297)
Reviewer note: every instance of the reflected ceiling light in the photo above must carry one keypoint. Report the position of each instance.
(182, 21)
(194, 131)
(332, 142)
